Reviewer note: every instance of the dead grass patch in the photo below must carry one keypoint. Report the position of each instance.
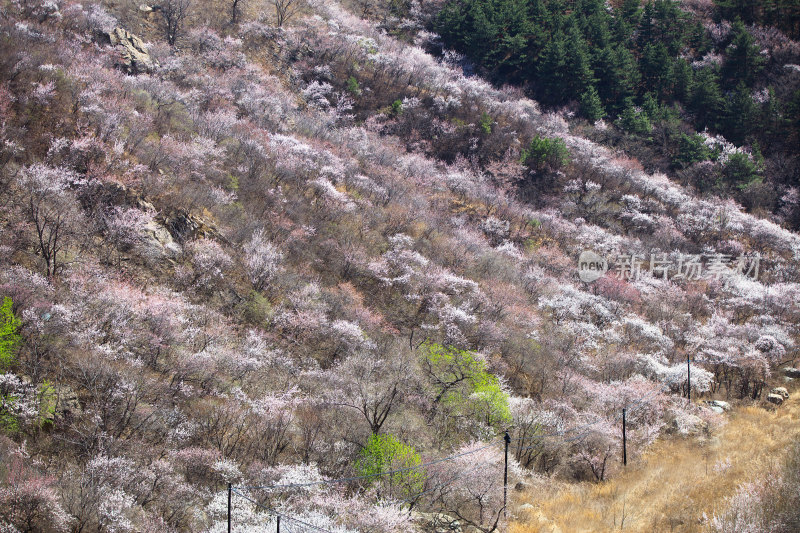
(674, 486)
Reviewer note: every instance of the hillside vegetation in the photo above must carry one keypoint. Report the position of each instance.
(298, 255)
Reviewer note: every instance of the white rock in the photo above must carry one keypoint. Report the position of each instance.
(777, 399)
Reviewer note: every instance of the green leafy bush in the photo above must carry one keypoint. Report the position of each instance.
(397, 108)
(486, 123)
(740, 171)
(9, 338)
(384, 453)
(546, 154)
(353, 87)
(634, 121)
(692, 149)
(465, 386)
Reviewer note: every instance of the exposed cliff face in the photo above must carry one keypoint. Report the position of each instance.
(134, 58)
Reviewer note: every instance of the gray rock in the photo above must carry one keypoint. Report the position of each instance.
(718, 406)
(780, 391)
(184, 226)
(58, 402)
(134, 56)
(777, 399)
(790, 372)
(687, 424)
(158, 242)
(67, 403)
(437, 522)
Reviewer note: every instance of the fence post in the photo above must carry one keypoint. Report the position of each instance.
(229, 507)
(279, 524)
(624, 441)
(507, 439)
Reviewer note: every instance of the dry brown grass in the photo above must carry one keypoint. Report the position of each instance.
(671, 487)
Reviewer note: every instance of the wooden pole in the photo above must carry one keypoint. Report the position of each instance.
(624, 441)
(688, 379)
(507, 439)
(230, 489)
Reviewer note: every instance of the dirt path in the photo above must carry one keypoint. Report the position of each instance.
(673, 486)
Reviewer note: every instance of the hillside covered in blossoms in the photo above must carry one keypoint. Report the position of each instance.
(316, 260)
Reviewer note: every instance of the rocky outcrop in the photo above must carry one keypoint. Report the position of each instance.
(718, 406)
(158, 242)
(790, 372)
(134, 57)
(184, 226)
(534, 517)
(437, 522)
(106, 193)
(777, 399)
(781, 391)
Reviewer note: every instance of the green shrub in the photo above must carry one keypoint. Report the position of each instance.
(740, 171)
(634, 121)
(9, 338)
(486, 123)
(545, 154)
(257, 310)
(692, 149)
(384, 453)
(465, 386)
(353, 87)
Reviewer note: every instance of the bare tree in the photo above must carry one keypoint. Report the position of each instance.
(366, 7)
(371, 384)
(174, 13)
(52, 211)
(286, 9)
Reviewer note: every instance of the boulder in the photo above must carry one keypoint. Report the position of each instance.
(781, 391)
(437, 522)
(185, 226)
(134, 56)
(790, 372)
(158, 242)
(58, 402)
(718, 406)
(777, 399)
(541, 522)
(687, 424)
(67, 403)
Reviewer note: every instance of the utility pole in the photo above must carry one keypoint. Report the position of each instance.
(230, 489)
(624, 441)
(688, 378)
(507, 439)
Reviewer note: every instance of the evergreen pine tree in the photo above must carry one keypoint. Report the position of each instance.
(740, 116)
(706, 99)
(591, 106)
(743, 61)
(550, 72)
